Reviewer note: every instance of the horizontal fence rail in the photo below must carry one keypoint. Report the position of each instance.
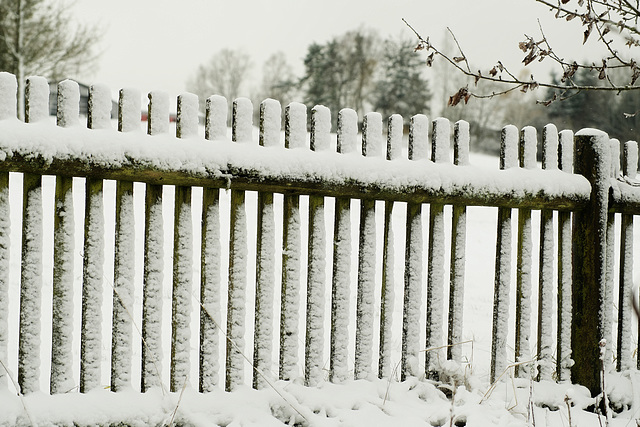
(367, 168)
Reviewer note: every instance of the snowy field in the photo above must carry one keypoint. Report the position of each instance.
(375, 402)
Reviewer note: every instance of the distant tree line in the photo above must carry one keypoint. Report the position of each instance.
(361, 70)
(356, 70)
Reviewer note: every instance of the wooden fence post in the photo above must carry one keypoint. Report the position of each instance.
(592, 151)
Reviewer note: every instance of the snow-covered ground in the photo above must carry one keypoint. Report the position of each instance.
(365, 402)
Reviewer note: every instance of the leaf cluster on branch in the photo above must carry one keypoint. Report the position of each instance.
(614, 25)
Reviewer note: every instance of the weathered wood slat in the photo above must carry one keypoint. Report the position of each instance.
(387, 294)
(123, 278)
(545, 276)
(151, 371)
(624, 356)
(528, 142)
(61, 378)
(186, 127)
(295, 139)
(608, 320)
(563, 349)
(30, 286)
(458, 249)
(314, 338)
(236, 300)
(4, 275)
(413, 268)
(371, 147)
(93, 260)
(508, 159)
(211, 272)
(270, 119)
(435, 352)
(340, 284)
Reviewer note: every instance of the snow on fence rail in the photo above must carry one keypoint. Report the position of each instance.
(592, 195)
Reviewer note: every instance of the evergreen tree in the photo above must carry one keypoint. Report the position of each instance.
(339, 74)
(401, 87)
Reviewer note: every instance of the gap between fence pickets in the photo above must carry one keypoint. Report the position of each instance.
(347, 133)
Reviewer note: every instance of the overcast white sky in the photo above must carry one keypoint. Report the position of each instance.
(158, 44)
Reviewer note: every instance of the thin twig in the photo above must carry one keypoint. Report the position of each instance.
(20, 395)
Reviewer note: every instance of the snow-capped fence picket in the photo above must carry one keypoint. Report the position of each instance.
(296, 167)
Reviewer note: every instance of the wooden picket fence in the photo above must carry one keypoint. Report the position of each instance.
(586, 189)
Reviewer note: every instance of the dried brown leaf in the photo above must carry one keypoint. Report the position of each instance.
(430, 59)
(587, 33)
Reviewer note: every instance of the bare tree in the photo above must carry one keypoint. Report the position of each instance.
(278, 80)
(614, 23)
(38, 37)
(225, 74)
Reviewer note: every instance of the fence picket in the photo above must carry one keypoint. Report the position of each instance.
(186, 127)
(122, 332)
(545, 277)
(371, 147)
(295, 135)
(8, 110)
(508, 159)
(563, 348)
(458, 249)
(624, 356)
(314, 340)
(30, 286)
(394, 140)
(36, 99)
(607, 320)
(151, 371)
(61, 379)
(4, 274)
(210, 321)
(236, 300)
(93, 260)
(528, 143)
(347, 135)
(270, 125)
(435, 353)
(413, 272)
